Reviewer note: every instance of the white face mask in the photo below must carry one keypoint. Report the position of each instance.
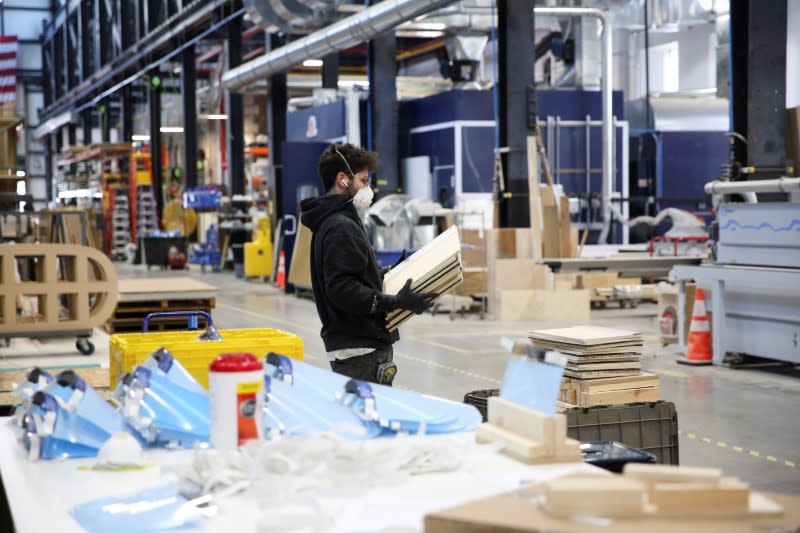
(363, 198)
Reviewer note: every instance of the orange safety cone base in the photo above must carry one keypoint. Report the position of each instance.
(693, 362)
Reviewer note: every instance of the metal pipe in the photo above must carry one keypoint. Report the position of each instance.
(608, 123)
(355, 29)
(763, 186)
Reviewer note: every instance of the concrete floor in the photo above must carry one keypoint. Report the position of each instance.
(742, 421)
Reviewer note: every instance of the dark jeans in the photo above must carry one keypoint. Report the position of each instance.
(362, 367)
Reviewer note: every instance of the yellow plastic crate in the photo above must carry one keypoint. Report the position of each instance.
(127, 350)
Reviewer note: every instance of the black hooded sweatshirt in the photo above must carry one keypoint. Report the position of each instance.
(345, 276)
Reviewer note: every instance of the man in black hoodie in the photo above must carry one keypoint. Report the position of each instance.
(345, 276)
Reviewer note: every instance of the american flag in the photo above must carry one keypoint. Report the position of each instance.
(8, 68)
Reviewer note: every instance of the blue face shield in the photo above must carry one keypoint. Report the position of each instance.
(52, 432)
(393, 409)
(162, 411)
(150, 510)
(73, 394)
(380, 409)
(35, 380)
(166, 363)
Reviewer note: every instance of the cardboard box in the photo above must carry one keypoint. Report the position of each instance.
(544, 305)
(300, 268)
(475, 282)
(516, 274)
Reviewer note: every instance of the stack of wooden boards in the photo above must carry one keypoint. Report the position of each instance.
(603, 365)
(643, 387)
(434, 268)
(140, 297)
(655, 490)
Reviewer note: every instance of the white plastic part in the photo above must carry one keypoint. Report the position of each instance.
(121, 449)
(323, 464)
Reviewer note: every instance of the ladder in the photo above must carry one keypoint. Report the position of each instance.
(146, 217)
(121, 226)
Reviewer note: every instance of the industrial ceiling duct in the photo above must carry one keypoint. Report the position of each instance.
(464, 53)
(351, 31)
(289, 15)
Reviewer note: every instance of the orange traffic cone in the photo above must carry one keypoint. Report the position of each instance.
(280, 278)
(698, 349)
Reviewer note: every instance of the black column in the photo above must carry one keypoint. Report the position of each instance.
(188, 94)
(86, 126)
(105, 121)
(758, 38)
(155, 140)
(276, 128)
(126, 114)
(235, 122)
(382, 69)
(330, 71)
(517, 102)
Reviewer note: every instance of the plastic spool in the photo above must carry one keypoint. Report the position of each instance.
(235, 382)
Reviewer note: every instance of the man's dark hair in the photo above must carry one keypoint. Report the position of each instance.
(331, 163)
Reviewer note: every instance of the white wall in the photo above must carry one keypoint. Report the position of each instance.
(792, 54)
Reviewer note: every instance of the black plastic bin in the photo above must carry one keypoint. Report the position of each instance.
(648, 426)
(156, 249)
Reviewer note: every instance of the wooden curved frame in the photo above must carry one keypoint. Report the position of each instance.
(75, 262)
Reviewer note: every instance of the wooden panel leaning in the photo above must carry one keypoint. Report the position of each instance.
(74, 287)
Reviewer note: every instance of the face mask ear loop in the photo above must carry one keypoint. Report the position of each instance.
(352, 174)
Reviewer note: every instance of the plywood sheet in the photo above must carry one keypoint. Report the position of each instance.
(586, 335)
(133, 290)
(424, 261)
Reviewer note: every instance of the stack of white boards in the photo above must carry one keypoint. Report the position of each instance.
(594, 352)
(434, 268)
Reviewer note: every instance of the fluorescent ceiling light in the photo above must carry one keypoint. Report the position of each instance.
(214, 116)
(140, 137)
(171, 129)
(20, 173)
(312, 63)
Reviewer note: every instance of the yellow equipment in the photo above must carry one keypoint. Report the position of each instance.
(258, 254)
(127, 350)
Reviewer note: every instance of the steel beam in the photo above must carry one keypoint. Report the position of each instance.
(189, 98)
(87, 38)
(126, 114)
(517, 102)
(155, 141)
(105, 121)
(382, 74)
(194, 17)
(759, 81)
(276, 128)
(86, 126)
(235, 122)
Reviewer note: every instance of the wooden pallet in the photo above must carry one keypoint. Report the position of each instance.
(128, 316)
(134, 325)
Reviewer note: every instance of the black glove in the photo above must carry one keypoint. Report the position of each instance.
(403, 256)
(408, 299)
